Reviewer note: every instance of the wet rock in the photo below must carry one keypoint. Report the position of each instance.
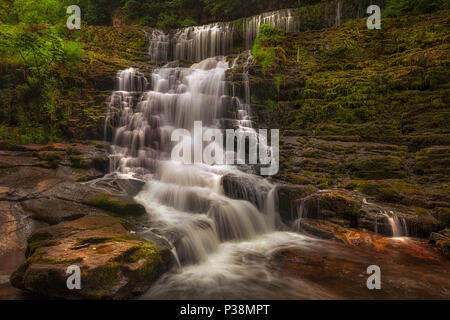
(120, 205)
(287, 199)
(53, 211)
(11, 161)
(316, 228)
(113, 263)
(117, 185)
(435, 237)
(14, 230)
(334, 203)
(444, 246)
(332, 231)
(27, 182)
(71, 191)
(131, 186)
(441, 240)
(245, 188)
(89, 156)
(409, 268)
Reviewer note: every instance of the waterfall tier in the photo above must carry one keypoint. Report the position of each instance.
(216, 39)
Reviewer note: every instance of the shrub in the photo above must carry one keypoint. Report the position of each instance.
(396, 8)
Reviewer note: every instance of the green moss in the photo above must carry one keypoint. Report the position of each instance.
(102, 279)
(377, 168)
(50, 156)
(297, 179)
(63, 261)
(444, 245)
(443, 215)
(267, 48)
(78, 162)
(116, 205)
(428, 223)
(382, 191)
(97, 240)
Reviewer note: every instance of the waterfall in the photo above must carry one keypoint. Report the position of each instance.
(192, 43)
(201, 42)
(185, 201)
(159, 46)
(214, 39)
(398, 224)
(338, 13)
(283, 19)
(222, 241)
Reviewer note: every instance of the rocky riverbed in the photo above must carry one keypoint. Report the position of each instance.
(56, 213)
(52, 218)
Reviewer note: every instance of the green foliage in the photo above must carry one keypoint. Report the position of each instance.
(32, 84)
(220, 7)
(163, 14)
(267, 48)
(397, 8)
(100, 12)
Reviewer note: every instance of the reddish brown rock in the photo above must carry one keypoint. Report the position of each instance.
(113, 263)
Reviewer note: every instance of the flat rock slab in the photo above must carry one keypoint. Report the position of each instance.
(410, 269)
(53, 211)
(114, 264)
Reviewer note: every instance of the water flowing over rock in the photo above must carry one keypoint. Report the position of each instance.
(216, 39)
(186, 202)
(192, 43)
(284, 19)
(199, 43)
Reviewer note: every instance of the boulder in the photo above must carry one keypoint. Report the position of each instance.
(53, 211)
(287, 199)
(337, 204)
(117, 204)
(441, 240)
(114, 264)
(332, 231)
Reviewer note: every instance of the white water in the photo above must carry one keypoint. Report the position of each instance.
(185, 203)
(224, 246)
(283, 19)
(398, 224)
(215, 39)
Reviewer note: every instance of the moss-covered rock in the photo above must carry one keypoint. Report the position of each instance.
(441, 240)
(444, 245)
(120, 205)
(113, 263)
(288, 196)
(363, 106)
(334, 205)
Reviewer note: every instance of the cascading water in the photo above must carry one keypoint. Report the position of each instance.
(192, 43)
(159, 46)
(215, 39)
(224, 246)
(186, 200)
(398, 224)
(283, 19)
(186, 203)
(199, 43)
